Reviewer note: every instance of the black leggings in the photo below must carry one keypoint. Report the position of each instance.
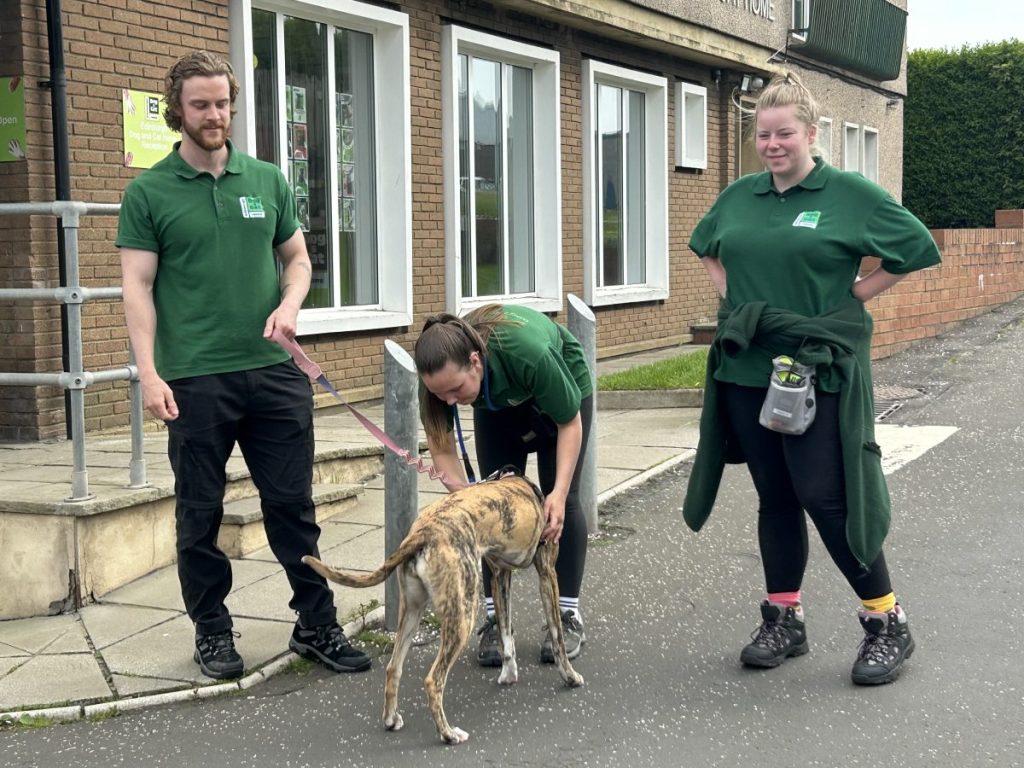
(792, 473)
(508, 436)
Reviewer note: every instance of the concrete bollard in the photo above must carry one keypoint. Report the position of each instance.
(401, 422)
(583, 325)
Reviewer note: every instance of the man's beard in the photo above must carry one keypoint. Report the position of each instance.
(209, 143)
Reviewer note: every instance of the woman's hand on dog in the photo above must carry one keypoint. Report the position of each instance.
(554, 516)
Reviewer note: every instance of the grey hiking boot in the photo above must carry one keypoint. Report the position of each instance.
(887, 644)
(489, 652)
(575, 637)
(780, 636)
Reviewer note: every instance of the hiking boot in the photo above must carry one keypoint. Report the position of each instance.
(572, 631)
(216, 655)
(780, 636)
(887, 644)
(489, 652)
(327, 644)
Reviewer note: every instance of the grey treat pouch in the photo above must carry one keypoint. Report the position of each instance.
(789, 405)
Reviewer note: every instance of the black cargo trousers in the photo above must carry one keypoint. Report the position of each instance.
(268, 412)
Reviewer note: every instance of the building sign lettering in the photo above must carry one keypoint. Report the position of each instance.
(762, 8)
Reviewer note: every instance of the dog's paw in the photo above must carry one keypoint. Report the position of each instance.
(509, 673)
(574, 679)
(394, 722)
(455, 736)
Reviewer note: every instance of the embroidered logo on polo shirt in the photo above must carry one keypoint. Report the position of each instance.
(808, 219)
(252, 207)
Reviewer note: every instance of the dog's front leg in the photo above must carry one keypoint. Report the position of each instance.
(501, 588)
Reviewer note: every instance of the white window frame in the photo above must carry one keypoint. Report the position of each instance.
(691, 125)
(547, 175)
(851, 147)
(869, 155)
(825, 127)
(393, 147)
(800, 23)
(655, 179)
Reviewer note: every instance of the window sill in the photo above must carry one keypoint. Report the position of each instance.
(318, 321)
(627, 295)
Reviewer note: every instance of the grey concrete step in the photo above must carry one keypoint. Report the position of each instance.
(241, 530)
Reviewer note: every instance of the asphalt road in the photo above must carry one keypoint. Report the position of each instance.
(667, 612)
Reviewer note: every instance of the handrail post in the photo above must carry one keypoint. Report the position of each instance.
(401, 422)
(137, 465)
(583, 325)
(79, 474)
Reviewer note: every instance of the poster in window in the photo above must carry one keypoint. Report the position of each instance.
(302, 209)
(300, 179)
(299, 150)
(347, 145)
(345, 109)
(348, 185)
(298, 104)
(348, 214)
(288, 103)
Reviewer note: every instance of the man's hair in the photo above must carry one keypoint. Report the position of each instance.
(195, 64)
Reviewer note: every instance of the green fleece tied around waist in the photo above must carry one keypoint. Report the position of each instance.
(837, 343)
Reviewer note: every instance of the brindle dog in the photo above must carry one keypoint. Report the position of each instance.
(500, 520)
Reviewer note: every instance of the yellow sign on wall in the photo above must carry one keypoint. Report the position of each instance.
(147, 138)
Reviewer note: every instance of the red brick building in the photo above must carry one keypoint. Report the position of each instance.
(444, 154)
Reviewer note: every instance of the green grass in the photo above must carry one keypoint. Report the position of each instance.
(683, 372)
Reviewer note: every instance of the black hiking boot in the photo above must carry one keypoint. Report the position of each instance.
(216, 655)
(780, 636)
(327, 644)
(887, 644)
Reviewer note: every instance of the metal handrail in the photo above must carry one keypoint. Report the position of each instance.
(73, 295)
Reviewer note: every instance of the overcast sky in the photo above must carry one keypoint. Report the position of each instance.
(953, 23)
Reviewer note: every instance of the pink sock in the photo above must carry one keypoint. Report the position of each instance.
(788, 599)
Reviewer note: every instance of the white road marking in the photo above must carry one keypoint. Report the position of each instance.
(901, 445)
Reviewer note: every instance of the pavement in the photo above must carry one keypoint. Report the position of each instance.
(132, 648)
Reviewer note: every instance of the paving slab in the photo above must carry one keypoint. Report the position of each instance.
(34, 634)
(160, 589)
(53, 680)
(130, 685)
(111, 623)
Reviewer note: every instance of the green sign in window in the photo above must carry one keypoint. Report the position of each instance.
(12, 120)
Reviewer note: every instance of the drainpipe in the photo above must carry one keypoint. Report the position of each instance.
(62, 167)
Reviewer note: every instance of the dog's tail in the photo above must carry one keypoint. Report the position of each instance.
(408, 549)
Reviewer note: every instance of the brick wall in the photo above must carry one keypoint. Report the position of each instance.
(981, 269)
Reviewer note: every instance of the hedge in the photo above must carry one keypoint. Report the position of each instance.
(964, 134)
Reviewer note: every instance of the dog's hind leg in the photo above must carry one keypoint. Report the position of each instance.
(544, 562)
(454, 604)
(501, 588)
(412, 601)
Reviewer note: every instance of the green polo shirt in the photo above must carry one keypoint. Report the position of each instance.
(535, 357)
(217, 277)
(801, 250)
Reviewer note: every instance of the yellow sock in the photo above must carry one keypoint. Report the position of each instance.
(883, 604)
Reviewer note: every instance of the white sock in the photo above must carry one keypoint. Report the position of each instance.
(489, 605)
(569, 604)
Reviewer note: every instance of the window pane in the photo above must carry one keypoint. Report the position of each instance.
(635, 213)
(609, 188)
(520, 180)
(264, 49)
(486, 89)
(305, 58)
(357, 227)
(465, 183)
